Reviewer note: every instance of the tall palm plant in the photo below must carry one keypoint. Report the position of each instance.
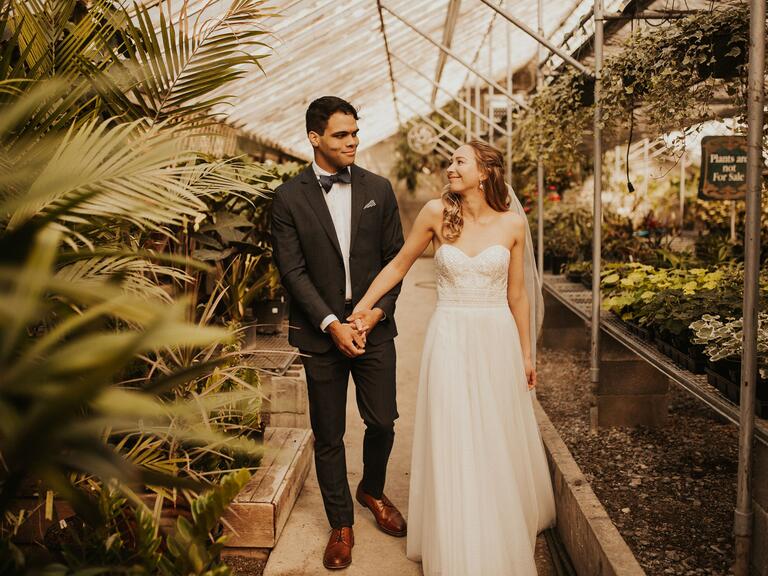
(96, 104)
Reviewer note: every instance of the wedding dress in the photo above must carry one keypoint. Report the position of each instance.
(480, 489)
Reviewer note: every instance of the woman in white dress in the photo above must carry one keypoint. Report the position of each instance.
(480, 489)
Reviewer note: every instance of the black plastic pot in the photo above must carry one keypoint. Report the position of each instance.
(762, 390)
(643, 333)
(269, 316)
(734, 391)
(697, 360)
(547, 265)
(573, 276)
(557, 264)
(734, 370)
(628, 80)
(722, 367)
(665, 348)
(724, 65)
(587, 91)
(717, 381)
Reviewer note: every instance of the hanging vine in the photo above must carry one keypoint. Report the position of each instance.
(674, 74)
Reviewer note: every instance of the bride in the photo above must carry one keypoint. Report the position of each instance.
(480, 489)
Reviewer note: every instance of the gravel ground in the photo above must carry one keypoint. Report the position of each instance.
(245, 566)
(669, 491)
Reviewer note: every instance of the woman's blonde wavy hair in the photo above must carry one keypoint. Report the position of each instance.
(490, 163)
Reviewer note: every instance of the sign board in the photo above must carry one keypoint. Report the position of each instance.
(723, 168)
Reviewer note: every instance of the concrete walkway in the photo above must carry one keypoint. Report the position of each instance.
(300, 548)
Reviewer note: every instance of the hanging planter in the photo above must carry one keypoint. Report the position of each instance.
(633, 84)
(585, 85)
(729, 56)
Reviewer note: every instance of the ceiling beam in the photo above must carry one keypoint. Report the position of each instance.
(451, 16)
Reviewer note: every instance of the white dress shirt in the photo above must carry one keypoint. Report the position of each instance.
(339, 200)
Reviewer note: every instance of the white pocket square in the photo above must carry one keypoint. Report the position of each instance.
(370, 204)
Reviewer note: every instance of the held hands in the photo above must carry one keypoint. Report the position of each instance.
(365, 320)
(347, 338)
(530, 374)
(350, 338)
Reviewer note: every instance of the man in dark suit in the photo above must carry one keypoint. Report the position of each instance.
(334, 227)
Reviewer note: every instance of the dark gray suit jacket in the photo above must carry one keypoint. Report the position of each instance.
(307, 253)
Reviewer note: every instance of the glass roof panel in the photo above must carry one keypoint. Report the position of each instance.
(333, 47)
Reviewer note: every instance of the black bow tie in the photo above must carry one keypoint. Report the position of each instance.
(327, 181)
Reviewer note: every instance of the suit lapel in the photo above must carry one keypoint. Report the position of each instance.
(358, 201)
(314, 194)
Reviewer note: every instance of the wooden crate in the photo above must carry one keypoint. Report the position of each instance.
(259, 513)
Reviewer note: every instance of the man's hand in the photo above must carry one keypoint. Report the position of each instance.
(347, 339)
(365, 320)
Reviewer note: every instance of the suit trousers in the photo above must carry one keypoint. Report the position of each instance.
(327, 377)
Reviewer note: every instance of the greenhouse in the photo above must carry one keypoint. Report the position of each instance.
(383, 287)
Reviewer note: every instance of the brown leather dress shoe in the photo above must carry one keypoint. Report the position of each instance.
(338, 552)
(387, 516)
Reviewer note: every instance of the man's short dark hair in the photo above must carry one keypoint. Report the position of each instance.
(323, 108)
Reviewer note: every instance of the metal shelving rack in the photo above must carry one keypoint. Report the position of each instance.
(578, 299)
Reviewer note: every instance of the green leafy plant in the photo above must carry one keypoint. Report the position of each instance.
(553, 129)
(90, 211)
(234, 237)
(664, 70)
(132, 539)
(60, 358)
(723, 339)
(643, 294)
(566, 230)
(667, 70)
(575, 270)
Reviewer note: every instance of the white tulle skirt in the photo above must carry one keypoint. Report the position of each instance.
(480, 489)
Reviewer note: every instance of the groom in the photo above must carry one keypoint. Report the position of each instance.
(334, 227)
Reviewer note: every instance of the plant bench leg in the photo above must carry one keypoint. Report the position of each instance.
(631, 392)
(562, 329)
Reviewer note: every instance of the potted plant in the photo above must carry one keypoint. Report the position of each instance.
(565, 234)
(585, 85)
(575, 270)
(269, 305)
(722, 341)
(723, 45)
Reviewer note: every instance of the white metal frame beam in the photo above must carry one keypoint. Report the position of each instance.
(458, 99)
(456, 57)
(451, 17)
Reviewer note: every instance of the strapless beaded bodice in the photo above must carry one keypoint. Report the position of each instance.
(472, 281)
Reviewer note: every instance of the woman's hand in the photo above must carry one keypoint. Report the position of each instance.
(530, 374)
(365, 320)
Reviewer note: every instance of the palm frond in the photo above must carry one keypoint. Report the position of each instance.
(56, 391)
(103, 170)
(136, 276)
(176, 66)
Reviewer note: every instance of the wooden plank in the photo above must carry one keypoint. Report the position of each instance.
(258, 514)
(259, 519)
(273, 447)
(268, 487)
(289, 490)
(266, 459)
(250, 525)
